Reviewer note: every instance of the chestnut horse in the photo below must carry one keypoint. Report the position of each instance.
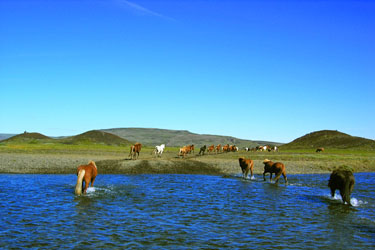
(218, 148)
(87, 174)
(246, 165)
(211, 148)
(134, 150)
(278, 168)
(183, 151)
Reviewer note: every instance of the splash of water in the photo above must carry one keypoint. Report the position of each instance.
(356, 203)
(353, 201)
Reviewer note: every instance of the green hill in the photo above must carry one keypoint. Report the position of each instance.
(330, 139)
(178, 138)
(24, 137)
(96, 136)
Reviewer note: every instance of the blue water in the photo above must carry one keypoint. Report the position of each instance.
(184, 212)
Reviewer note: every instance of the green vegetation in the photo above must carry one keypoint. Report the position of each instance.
(35, 153)
(330, 139)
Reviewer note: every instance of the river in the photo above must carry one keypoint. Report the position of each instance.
(184, 212)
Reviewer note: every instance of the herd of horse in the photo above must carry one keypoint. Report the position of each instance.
(340, 179)
(183, 151)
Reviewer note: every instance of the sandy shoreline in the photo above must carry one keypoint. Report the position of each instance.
(66, 164)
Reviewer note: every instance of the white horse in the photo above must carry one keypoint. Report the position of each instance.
(158, 151)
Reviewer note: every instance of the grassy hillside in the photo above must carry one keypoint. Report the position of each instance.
(177, 138)
(26, 154)
(91, 142)
(24, 137)
(330, 139)
(96, 136)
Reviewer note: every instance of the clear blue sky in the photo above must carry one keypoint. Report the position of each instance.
(259, 70)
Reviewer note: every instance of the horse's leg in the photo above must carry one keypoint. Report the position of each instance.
(286, 179)
(87, 181)
(251, 171)
(277, 177)
(270, 176)
(92, 181)
(264, 175)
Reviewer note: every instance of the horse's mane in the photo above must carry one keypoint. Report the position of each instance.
(266, 160)
(93, 163)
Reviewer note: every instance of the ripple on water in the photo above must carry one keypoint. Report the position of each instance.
(184, 211)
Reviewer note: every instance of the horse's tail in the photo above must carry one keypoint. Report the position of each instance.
(80, 175)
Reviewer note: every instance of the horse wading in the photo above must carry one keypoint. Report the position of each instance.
(85, 173)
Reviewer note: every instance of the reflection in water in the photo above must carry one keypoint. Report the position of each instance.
(184, 211)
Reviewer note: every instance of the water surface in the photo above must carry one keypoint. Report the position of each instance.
(184, 212)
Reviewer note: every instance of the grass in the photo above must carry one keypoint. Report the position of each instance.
(40, 156)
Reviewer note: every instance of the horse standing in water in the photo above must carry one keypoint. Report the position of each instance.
(85, 173)
(246, 166)
(134, 150)
(344, 181)
(278, 168)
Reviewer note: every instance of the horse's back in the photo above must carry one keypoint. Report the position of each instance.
(89, 170)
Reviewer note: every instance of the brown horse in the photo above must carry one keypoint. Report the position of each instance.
(192, 148)
(134, 150)
(87, 174)
(202, 150)
(342, 180)
(183, 151)
(278, 168)
(211, 149)
(218, 148)
(226, 148)
(319, 150)
(246, 165)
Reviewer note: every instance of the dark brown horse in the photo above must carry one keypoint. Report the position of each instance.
(278, 168)
(342, 180)
(319, 150)
(85, 173)
(246, 166)
(134, 150)
(202, 150)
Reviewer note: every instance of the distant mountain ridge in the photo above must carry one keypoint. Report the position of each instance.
(177, 138)
(6, 136)
(330, 139)
(92, 136)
